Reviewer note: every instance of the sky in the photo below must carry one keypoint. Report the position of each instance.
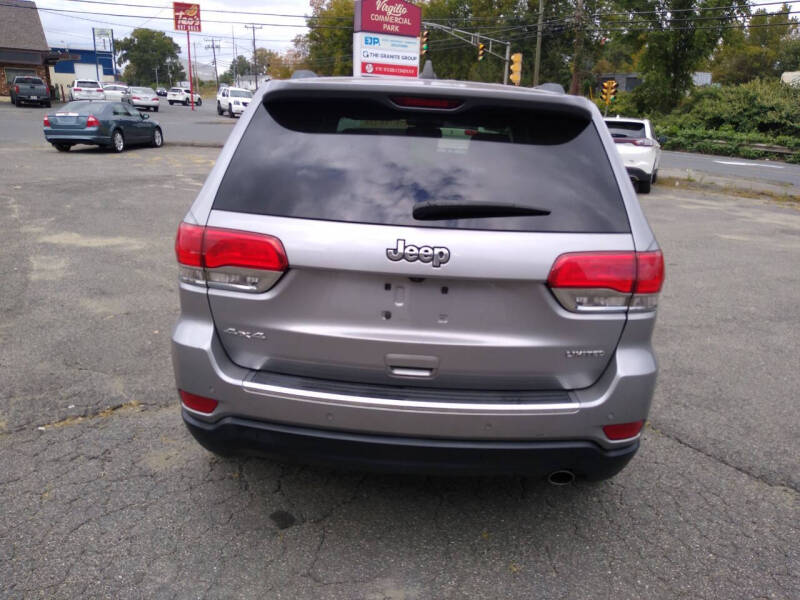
(75, 29)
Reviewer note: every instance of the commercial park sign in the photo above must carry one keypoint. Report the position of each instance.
(393, 17)
(386, 38)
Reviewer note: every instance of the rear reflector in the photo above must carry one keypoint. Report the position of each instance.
(607, 281)
(198, 403)
(46, 121)
(421, 102)
(623, 431)
(91, 121)
(229, 259)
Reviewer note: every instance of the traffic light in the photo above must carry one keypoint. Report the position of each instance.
(516, 68)
(481, 48)
(423, 43)
(609, 93)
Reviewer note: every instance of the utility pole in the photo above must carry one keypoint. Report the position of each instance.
(538, 44)
(575, 85)
(156, 70)
(253, 26)
(233, 64)
(213, 46)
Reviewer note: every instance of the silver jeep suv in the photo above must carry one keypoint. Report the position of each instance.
(423, 276)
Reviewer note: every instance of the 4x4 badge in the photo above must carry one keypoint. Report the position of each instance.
(436, 255)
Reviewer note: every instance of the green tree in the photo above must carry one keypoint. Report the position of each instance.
(146, 50)
(328, 46)
(675, 37)
(239, 67)
(767, 48)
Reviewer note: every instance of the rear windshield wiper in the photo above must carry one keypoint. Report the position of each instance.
(434, 211)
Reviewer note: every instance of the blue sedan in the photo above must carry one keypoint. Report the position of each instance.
(113, 125)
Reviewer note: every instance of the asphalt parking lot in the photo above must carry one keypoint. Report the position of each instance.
(105, 495)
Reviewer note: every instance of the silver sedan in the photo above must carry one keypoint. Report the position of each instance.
(144, 98)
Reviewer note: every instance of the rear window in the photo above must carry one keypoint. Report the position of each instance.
(81, 107)
(366, 161)
(90, 84)
(176, 90)
(241, 94)
(33, 80)
(626, 130)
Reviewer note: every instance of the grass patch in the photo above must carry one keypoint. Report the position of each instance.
(731, 190)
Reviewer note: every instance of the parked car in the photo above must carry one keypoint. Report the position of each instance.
(232, 100)
(405, 278)
(639, 148)
(86, 89)
(144, 97)
(183, 96)
(27, 89)
(161, 92)
(115, 125)
(115, 91)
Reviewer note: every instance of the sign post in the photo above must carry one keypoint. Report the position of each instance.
(386, 38)
(187, 18)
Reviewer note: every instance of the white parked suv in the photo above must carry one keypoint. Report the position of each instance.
(232, 100)
(115, 91)
(639, 148)
(86, 89)
(183, 96)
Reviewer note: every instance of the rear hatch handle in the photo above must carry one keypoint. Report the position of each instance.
(414, 366)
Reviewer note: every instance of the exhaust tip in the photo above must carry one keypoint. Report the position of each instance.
(561, 477)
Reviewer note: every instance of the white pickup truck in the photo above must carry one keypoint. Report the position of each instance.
(183, 96)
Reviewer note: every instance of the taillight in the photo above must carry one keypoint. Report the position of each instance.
(198, 403)
(425, 102)
(16, 89)
(229, 259)
(77, 89)
(154, 99)
(635, 141)
(91, 121)
(99, 90)
(623, 431)
(607, 281)
(135, 98)
(46, 121)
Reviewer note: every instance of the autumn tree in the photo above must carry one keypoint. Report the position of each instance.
(146, 50)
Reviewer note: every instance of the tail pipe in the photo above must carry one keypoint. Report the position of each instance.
(561, 477)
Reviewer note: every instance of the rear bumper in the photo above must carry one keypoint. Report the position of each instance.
(69, 137)
(621, 395)
(410, 455)
(38, 100)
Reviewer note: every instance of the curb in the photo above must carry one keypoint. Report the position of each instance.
(195, 144)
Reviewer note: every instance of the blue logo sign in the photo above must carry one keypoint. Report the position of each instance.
(372, 41)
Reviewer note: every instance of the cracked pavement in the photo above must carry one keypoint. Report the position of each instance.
(105, 495)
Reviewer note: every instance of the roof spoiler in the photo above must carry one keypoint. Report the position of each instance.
(551, 86)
